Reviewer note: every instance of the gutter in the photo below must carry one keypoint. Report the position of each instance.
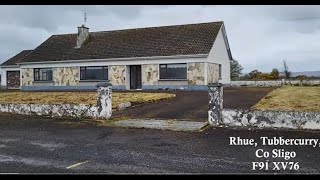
(120, 59)
(10, 66)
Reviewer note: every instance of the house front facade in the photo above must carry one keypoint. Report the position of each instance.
(185, 57)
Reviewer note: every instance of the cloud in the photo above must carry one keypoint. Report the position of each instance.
(260, 37)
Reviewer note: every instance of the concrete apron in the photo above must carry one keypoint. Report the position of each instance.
(173, 125)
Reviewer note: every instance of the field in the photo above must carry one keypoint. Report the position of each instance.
(291, 98)
(88, 98)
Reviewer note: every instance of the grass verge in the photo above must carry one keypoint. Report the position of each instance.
(88, 98)
(291, 98)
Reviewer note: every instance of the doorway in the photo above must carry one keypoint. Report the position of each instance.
(13, 79)
(135, 77)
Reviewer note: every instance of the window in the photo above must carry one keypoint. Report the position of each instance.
(42, 74)
(173, 71)
(94, 73)
(220, 72)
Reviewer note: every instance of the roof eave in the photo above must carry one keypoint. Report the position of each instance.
(9, 66)
(119, 59)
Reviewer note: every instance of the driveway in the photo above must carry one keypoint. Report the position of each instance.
(193, 105)
(47, 145)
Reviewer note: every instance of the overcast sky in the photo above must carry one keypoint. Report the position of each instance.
(260, 37)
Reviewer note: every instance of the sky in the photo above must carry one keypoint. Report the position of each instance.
(260, 37)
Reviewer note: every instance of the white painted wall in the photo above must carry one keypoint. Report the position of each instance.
(3, 77)
(219, 55)
(4, 74)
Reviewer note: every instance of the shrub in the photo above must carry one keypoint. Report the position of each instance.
(275, 73)
(264, 76)
(301, 77)
(253, 74)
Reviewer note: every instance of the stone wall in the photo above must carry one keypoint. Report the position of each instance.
(66, 76)
(217, 116)
(271, 119)
(276, 83)
(196, 73)
(103, 109)
(117, 75)
(213, 73)
(150, 74)
(63, 110)
(27, 77)
(313, 82)
(256, 83)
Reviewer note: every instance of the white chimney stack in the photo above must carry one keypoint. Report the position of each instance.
(83, 34)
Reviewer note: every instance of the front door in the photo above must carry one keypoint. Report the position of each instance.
(13, 79)
(135, 77)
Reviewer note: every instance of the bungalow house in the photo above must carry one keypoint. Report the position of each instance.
(169, 57)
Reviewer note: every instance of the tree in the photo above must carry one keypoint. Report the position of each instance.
(253, 74)
(287, 73)
(245, 77)
(235, 69)
(275, 73)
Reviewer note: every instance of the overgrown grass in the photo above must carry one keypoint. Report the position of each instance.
(290, 98)
(88, 98)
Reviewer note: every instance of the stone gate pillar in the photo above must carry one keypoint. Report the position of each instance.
(283, 82)
(215, 103)
(104, 100)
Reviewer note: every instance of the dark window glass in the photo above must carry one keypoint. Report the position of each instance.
(94, 73)
(220, 71)
(42, 74)
(173, 71)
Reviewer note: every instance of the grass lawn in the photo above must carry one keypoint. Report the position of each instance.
(89, 98)
(291, 98)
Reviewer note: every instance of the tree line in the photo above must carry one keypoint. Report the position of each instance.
(236, 71)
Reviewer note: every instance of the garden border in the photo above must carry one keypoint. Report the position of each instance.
(103, 110)
(217, 116)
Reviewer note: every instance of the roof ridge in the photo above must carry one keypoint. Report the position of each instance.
(148, 27)
(151, 27)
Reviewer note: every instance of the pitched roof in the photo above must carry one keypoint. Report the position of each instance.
(17, 58)
(187, 39)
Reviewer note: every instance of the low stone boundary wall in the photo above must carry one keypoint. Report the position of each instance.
(217, 116)
(276, 83)
(256, 83)
(51, 110)
(102, 110)
(271, 119)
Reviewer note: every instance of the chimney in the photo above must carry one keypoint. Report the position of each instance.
(83, 34)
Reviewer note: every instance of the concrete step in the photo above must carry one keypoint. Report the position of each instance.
(173, 125)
